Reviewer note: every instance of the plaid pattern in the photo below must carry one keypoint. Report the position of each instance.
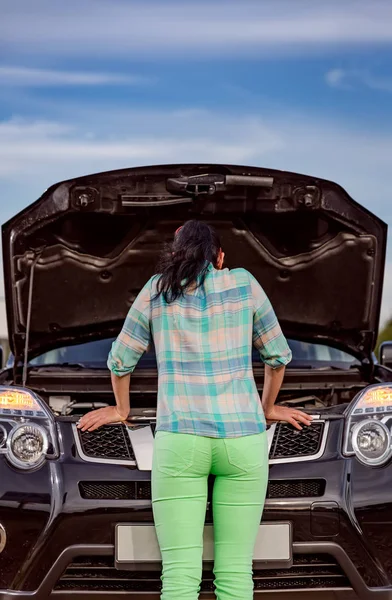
(203, 343)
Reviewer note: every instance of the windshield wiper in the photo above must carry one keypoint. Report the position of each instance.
(66, 365)
(335, 368)
(301, 366)
(316, 367)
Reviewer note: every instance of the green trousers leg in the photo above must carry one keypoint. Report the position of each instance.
(182, 464)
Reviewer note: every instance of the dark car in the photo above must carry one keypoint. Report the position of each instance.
(75, 508)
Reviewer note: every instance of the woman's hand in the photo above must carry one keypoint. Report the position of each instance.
(289, 415)
(103, 416)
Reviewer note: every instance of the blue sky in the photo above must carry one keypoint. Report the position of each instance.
(302, 85)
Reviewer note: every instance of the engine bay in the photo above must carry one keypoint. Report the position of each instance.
(143, 408)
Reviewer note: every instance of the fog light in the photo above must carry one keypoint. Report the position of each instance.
(371, 442)
(27, 446)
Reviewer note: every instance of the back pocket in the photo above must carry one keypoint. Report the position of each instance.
(247, 453)
(174, 452)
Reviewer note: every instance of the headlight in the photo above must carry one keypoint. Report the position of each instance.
(27, 446)
(28, 432)
(19, 402)
(371, 442)
(368, 426)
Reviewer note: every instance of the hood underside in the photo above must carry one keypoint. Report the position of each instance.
(75, 259)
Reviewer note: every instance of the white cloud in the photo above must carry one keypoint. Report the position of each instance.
(24, 76)
(353, 79)
(382, 84)
(21, 130)
(336, 78)
(152, 28)
(43, 148)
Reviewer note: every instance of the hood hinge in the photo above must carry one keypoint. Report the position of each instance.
(28, 321)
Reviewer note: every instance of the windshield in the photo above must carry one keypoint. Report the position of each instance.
(94, 354)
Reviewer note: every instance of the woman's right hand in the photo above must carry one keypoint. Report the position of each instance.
(289, 415)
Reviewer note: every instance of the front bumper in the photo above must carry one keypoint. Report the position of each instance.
(61, 544)
(47, 589)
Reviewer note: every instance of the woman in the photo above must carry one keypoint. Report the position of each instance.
(203, 319)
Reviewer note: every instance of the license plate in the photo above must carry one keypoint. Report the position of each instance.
(137, 546)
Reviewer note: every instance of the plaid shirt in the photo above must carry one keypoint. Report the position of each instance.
(203, 343)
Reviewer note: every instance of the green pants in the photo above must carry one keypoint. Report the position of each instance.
(182, 464)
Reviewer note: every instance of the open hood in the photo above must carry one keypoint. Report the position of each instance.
(75, 259)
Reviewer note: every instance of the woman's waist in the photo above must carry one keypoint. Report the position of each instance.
(230, 405)
(212, 425)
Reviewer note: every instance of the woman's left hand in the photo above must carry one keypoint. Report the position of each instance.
(103, 416)
(288, 415)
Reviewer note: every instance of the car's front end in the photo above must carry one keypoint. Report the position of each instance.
(75, 508)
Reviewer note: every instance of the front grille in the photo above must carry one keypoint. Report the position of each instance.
(299, 488)
(293, 443)
(141, 490)
(127, 490)
(110, 442)
(98, 574)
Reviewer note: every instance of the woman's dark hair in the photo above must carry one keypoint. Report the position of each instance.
(185, 262)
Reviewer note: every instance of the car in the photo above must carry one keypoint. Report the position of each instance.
(75, 507)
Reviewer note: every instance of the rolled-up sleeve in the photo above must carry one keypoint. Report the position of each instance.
(267, 334)
(135, 336)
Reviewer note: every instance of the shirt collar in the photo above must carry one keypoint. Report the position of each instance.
(209, 268)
